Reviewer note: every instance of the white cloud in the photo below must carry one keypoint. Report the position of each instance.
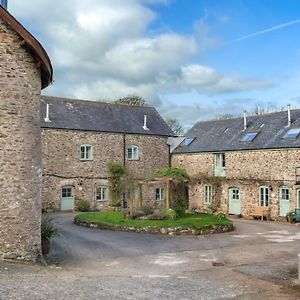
(104, 49)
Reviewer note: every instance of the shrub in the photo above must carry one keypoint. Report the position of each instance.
(116, 172)
(175, 173)
(135, 214)
(147, 209)
(83, 205)
(170, 214)
(157, 216)
(48, 229)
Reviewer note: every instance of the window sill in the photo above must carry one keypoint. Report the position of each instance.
(132, 159)
(101, 200)
(88, 159)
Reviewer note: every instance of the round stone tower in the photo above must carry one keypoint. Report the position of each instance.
(25, 69)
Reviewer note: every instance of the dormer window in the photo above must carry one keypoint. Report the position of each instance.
(292, 133)
(132, 152)
(85, 152)
(249, 137)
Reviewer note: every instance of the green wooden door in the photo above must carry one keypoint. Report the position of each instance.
(67, 198)
(284, 201)
(234, 201)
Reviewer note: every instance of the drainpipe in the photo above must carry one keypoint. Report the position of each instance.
(124, 164)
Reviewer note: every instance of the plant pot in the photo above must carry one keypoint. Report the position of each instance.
(45, 247)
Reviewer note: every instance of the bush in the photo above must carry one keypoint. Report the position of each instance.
(83, 205)
(136, 213)
(170, 214)
(174, 172)
(48, 229)
(157, 216)
(148, 210)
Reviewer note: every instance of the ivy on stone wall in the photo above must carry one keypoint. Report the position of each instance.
(116, 173)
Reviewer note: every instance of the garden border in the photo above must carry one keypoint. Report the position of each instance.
(211, 229)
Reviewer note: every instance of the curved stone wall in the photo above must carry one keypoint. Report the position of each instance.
(20, 149)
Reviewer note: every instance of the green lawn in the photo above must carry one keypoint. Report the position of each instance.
(190, 220)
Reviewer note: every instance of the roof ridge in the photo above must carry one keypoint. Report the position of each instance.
(248, 116)
(65, 99)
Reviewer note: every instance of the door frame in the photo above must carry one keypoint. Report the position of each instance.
(280, 200)
(73, 197)
(230, 198)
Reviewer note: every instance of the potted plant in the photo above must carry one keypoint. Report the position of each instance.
(48, 231)
(290, 216)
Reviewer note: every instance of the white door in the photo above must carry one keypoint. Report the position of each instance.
(67, 198)
(234, 201)
(298, 198)
(284, 201)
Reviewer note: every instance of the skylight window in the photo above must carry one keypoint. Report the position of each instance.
(249, 137)
(188, 141)
(292, 133)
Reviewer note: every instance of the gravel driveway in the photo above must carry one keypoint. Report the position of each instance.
(256, 261)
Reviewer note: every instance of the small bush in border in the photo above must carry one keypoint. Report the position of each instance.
(148, 210)
(157, 215)
(170, 214)
(83, 205)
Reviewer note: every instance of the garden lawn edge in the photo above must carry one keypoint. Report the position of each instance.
(178, 230)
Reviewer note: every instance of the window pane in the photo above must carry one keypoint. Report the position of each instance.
(88, 152)
(129, 153)
(292, 133)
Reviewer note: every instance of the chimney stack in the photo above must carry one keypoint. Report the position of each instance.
(145, 123)
(3, 3)
(245, 120)
(47, 119)
(289, 115)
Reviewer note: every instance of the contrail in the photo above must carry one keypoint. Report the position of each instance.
(267, 30)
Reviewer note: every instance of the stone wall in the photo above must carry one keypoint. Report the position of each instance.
(62, 165)
(246, 170)
(20, 149)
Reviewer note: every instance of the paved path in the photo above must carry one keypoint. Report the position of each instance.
(259, 261)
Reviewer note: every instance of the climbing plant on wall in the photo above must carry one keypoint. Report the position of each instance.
(116, 173)
(179, 179)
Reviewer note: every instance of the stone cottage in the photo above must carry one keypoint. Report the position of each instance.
(81, 138)
(241, 164)
(25, 69)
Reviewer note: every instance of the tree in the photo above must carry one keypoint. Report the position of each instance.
(175, 126)
(132, 100)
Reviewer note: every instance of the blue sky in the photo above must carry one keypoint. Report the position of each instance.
(191, 59)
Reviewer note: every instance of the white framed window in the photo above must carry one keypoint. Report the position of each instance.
(219, 164)
(159, 194)
(102, 193)
(67, 192)
(207, 194)
(132, 152)
(85, 152)
(264, 196)
(284, 193)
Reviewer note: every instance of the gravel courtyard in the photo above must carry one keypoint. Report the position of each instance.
(256, 261)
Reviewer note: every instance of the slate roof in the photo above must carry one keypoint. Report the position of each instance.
(226, 135)
(102, 117)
